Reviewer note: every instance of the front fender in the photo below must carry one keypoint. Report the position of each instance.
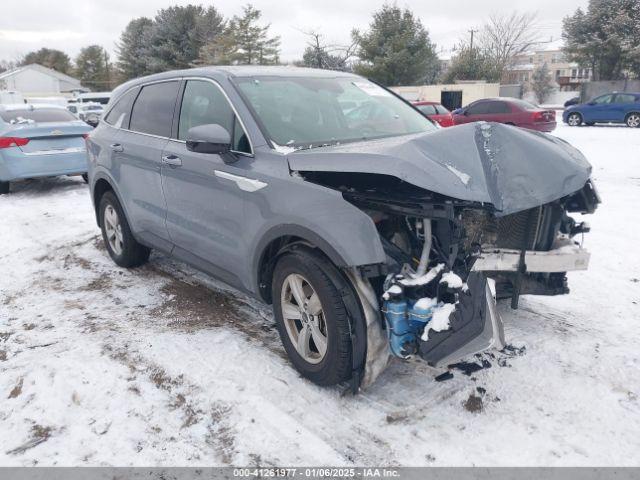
(319, 216)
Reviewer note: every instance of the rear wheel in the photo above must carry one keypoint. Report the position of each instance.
(311, 317)
(85, 177)
(122, 247)
(574, 120)
(633, 120)
(4, 188)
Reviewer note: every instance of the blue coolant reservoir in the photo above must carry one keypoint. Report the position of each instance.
(401, 337)
(419, 314)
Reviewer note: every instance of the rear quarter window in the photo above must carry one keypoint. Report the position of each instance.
(153, 109)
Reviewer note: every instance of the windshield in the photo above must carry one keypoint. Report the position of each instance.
(37, 115)
(310, 112)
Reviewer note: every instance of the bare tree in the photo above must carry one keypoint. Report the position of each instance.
(504, 37)
(318, 54)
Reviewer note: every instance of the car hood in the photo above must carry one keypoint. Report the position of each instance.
(511, 168)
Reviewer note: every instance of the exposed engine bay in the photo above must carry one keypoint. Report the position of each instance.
(448, 260)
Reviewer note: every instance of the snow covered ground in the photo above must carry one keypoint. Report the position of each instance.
(163, 366)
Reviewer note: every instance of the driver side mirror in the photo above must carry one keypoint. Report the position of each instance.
(209, 138)
(591, 103)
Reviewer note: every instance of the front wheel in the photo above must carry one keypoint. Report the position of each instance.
(4, 188)
(574, 120)
(633, 120)
(118, 239)
(311, 317)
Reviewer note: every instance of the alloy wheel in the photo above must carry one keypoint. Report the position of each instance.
(574, 120)
(633, 120)
(113, 229)
(304, 318)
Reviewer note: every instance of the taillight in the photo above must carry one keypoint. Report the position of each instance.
(6, 142)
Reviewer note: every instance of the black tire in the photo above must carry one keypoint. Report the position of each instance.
(632, 120)
(133, 253)
(85, 177)
(577, 117)
(336, 365)
(4, 188)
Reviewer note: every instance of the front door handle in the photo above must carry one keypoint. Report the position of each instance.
(116, 147)
(172, 160)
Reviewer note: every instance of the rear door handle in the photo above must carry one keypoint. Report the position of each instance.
(172, 160)
(116, 147)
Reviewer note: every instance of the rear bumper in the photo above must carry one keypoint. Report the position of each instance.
(560, 260)
(545, 127)
(18, 165)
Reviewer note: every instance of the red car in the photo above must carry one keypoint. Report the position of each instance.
(511, 111)
(436, 112)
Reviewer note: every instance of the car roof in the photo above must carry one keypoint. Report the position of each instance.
(236, 71)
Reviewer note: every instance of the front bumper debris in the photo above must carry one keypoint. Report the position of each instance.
(559, 260)
(475, 325)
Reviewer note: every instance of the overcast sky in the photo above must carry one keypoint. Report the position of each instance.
(68, 25)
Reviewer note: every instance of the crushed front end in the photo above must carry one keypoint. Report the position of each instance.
(448, 261)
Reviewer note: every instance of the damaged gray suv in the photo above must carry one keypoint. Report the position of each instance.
(372, 232)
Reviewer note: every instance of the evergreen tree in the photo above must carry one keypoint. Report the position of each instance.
(92, 68)
(605, 37)
(541, 83)
(133, 49)
(178, 35)
(397, 50)
(51, 58)
(244, 42)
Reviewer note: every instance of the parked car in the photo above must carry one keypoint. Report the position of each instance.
(9, 97)
(40, 141)
(436, 112)
(608, 108)
(572, 101)
(89, 112)
(359, 230)
(94, 97)
(510, 111)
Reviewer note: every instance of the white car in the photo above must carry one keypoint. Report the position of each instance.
(89, 112)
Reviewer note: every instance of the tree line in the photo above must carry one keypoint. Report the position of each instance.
(395, 49)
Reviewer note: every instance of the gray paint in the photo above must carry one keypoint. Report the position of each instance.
(510, 168)
(210, 222)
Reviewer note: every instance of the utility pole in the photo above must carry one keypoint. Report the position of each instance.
(472, 31)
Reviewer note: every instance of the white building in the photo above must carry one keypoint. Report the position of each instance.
(36, 80)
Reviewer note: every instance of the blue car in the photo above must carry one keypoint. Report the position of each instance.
(40, 141)
(609, 108)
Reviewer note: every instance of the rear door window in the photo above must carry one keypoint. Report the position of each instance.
(625, 98)
(118, 116)
(441, 110)
(481, 108)
(153, 109)
(497, 108)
